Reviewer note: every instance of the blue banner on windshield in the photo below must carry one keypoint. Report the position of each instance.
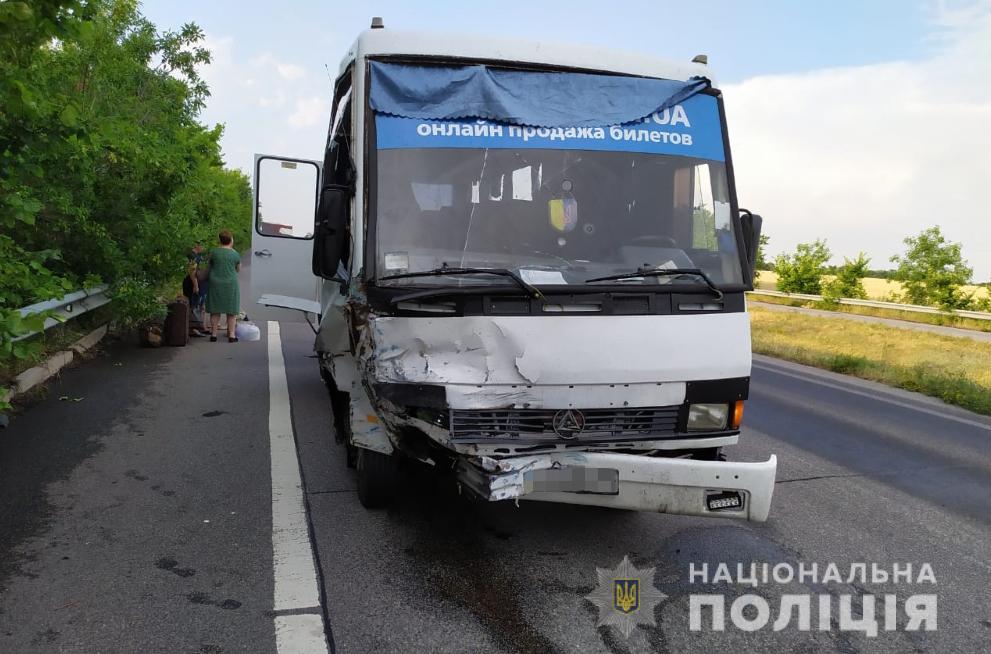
(689, 129)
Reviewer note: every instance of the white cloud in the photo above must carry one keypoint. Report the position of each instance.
(864, 156)
(268, 61)
(290, 71)
(261, 59)
(253, 94)
(310, 111)
(277, 100)
(221, 57)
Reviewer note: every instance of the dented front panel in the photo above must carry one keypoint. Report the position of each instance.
(636, 367)
(664, 485)
(562, 351)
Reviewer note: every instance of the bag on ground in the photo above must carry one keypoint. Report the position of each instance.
(247, 331)
(176, 328)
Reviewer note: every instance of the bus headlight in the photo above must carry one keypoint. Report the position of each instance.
(707, 417)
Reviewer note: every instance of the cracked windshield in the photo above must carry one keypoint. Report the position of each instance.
(553, 216)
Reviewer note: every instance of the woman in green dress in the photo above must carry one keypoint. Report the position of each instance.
(225, 294)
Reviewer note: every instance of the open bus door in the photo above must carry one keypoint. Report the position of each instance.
(282, 284)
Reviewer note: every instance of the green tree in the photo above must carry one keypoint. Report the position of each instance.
(106, 172)
(762, 262)
(932, 271)
(24, 29)
(802, 271)
(848, 280)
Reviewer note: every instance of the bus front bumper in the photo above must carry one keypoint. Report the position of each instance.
(718, 489)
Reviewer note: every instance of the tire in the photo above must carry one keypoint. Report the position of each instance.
(378, 478)
(340, 407)
(325, 376)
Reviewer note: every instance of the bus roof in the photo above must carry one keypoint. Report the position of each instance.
(382, 42)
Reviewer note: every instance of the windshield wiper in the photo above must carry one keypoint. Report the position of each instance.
(646, 271)
(453, 270)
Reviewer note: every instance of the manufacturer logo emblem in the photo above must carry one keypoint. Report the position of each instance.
(568, 423)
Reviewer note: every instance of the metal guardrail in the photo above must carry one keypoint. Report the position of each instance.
(66, 308)
(877, 304)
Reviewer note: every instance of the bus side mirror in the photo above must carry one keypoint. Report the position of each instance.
(331, 236)
(751, 224)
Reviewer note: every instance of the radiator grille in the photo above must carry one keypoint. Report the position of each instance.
(537, 424)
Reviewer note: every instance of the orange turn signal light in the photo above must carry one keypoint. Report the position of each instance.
(737, 416)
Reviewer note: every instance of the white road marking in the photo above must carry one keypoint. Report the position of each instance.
(299, 634)
(294, 567)
(874, 396)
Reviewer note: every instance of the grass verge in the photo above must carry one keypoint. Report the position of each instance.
(941, 319)
(955, 370)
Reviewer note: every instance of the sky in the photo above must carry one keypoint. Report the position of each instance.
(859, 122)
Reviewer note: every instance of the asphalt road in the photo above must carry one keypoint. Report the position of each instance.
(138, 519)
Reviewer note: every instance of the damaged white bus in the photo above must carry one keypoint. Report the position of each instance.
(531, 269)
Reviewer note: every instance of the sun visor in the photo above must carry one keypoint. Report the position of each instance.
(537, 99)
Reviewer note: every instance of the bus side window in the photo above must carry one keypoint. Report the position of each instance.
(703, 210)
(682, 196)
(332, 249)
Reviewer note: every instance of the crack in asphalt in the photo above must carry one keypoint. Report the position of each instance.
(880, 473)
(786, 481)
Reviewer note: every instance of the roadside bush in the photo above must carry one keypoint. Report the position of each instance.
(947, 385)
(893, 296)
(933, 270)
(848, 364)
(802, 271)
(135, 301)
(848, 280)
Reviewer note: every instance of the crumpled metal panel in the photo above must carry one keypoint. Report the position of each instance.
(559, 350)
(367, 428)
(664, 485)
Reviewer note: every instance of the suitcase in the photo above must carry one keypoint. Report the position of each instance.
(176, 330)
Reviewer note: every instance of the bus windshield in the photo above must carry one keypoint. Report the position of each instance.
(554, 211)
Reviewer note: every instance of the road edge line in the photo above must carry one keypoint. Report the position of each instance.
(293, 564)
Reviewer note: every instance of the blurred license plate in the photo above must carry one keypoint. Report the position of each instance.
(600, 481)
